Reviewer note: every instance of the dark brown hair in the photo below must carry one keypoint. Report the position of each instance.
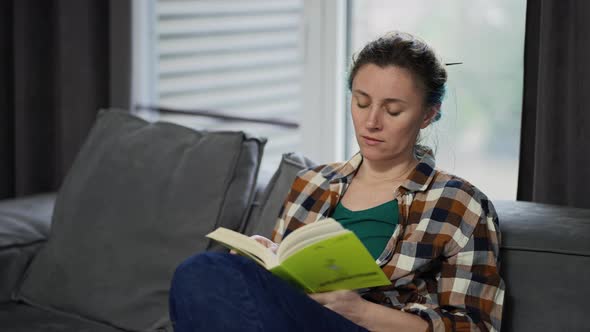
(406, 51)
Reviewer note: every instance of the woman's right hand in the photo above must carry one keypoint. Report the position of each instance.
(264, 241)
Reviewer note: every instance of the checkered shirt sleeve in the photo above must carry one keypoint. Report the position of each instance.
(469, 289)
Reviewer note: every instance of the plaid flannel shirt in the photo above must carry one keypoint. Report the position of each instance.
(442, 258)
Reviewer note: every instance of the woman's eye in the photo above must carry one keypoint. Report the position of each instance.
(393, 113)
(362, 106)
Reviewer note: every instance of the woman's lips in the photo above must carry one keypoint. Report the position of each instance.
(371, 141)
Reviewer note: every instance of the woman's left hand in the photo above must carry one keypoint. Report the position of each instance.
(346, 303)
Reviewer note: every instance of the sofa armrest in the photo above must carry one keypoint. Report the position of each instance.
(24, 227)
(13, 264)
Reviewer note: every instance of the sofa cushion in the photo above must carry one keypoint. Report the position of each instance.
(24, 227)
(138, 200)
(25, 220)
(545, 262)
(268, 205)
(24, 318)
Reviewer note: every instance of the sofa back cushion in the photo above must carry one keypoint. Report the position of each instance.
(545, 262)
(268, 204)
(138, 200)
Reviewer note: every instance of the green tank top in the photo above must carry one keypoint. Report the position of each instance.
(373, 226)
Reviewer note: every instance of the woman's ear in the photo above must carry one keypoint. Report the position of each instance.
(430, 115)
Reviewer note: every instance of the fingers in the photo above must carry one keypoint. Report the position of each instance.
(266, 242)
(331, 297)
(262, 239)
(325, 298)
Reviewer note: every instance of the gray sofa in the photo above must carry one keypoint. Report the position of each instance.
(99, 255)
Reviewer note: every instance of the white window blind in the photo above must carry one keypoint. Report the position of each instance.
(241, 58)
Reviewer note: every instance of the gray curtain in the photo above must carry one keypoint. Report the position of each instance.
(555, 139)
(57, 68)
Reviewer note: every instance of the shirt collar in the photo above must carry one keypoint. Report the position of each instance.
(423, 173)
(418, 180)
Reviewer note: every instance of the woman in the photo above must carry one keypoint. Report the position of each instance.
(434, 234)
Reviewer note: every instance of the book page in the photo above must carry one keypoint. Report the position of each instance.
(295, 247)
(309, 234)
(246, 245)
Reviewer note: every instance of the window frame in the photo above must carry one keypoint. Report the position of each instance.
(323, 120)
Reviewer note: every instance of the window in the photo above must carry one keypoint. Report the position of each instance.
(479, 133)
(236, 58)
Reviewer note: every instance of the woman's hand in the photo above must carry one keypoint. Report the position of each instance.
(372, 316)
(344, 302)
(264, 241)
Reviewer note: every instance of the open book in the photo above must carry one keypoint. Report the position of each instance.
(318, 257)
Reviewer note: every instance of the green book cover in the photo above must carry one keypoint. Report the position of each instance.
(318, 257)
(340, 262)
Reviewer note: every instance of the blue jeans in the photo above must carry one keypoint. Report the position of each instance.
(223, 292)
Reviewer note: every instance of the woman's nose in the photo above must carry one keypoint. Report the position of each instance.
(373, 120)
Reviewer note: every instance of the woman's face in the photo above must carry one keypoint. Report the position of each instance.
(388, 112)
